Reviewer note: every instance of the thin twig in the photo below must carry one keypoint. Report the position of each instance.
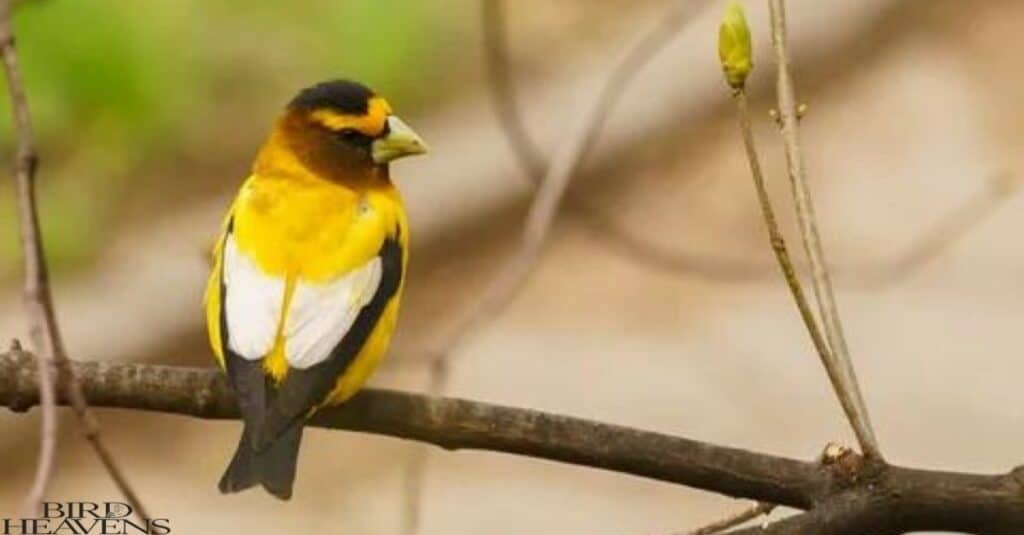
(539, 219)
(43, 328)
(42, 324)
(731, 521)
(775, 237)
(838, 361)
(47, 434)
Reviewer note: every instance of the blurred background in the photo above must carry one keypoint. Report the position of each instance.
(658, 308)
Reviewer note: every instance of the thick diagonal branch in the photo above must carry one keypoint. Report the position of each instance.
(450, 424)
(887, 496)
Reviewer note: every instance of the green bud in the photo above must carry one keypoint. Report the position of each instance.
(734, 49)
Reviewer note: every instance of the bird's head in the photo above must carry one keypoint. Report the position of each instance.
(340, 126)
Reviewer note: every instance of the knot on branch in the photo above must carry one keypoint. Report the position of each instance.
(16, 367)
(848, 469)
(842, 461)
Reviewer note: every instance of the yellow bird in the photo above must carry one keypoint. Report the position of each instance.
(308, 272)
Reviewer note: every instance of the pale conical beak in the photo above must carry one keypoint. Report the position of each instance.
(400, 141)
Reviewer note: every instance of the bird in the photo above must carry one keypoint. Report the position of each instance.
(308, 272)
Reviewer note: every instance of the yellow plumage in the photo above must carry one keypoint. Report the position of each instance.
(304, 227)
(308, 272)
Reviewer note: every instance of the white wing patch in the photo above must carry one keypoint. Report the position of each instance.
(320, 315)
(252, 303)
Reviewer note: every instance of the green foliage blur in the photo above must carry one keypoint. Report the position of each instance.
(150, 95)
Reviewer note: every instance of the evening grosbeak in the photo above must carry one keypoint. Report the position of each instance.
(308, 272)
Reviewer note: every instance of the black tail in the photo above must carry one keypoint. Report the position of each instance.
(273, 467)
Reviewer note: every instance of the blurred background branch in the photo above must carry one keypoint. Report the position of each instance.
(501, 83)
(544, 207)
(552, 183)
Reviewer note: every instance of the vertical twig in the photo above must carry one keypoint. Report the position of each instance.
(540, 217)
(42, 324)
(734, 520)
(736, 55)
(778, 243)
(838, 363)
(47, 434)
(43, 327)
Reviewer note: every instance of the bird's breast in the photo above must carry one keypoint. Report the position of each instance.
(316, 232)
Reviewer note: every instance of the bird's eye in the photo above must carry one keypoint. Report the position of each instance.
(353, 138)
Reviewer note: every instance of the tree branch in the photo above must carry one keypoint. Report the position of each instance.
(837, 360)
(845, 492)
(448, 423)
(908, 500)
(43, 327)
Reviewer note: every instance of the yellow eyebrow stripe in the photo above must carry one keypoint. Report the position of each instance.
(371, 123)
